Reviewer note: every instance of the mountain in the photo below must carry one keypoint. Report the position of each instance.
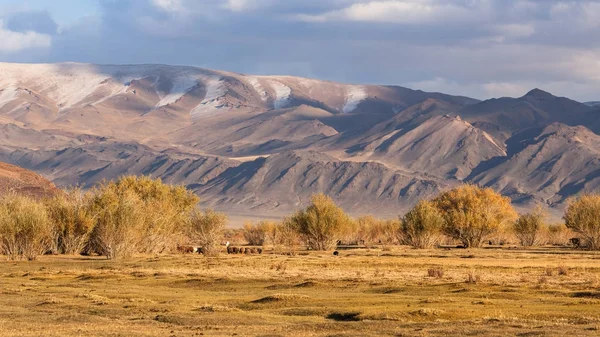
(594, 104)
(504, 116)
(14, 179)
(261, 145)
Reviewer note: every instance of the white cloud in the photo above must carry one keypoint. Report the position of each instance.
(402, 11)
(168, 5)
(245, 5)
(237, 5)
(12, 42)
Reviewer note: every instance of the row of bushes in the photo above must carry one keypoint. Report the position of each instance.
(468, 214)
(114, 219)
(142, 215)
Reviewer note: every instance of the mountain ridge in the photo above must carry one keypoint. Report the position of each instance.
(249, 143)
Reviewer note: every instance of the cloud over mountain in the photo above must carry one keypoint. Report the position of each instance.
(480, 48)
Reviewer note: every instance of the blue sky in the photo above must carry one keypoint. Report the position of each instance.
(478, 48)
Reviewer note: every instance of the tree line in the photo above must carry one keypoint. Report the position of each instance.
(137, 215)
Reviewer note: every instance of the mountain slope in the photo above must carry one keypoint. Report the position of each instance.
(547, 165)
(263, 144)
(14, 179)
(504, 116)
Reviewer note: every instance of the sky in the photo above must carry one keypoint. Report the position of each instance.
(476, 48)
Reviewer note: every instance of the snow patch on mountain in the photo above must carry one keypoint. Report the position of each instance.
(255, 83)
(215, 90)
(182, 84)
(354, 96)
(282, 94)
(7, 95)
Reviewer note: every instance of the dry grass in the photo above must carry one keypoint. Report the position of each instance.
(360, 292)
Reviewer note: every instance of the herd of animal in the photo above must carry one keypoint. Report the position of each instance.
(230, 250)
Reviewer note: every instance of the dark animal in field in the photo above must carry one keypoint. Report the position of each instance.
(252, 251)
(259, 250)
(199, 250)
(336, 253)
(246, 250)
(234, 250)
(576, 242)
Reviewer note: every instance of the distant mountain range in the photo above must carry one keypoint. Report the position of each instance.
(261, 145)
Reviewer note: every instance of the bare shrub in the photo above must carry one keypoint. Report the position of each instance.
(72, 220)
(528, 227)
(557, 234)
(24, 227)
(385, 232)
(563, 270)
(206, 228)
(436, 272)
(287, 236)
(422, 226)
(583, 216)
(364, 230)
(472, 277)
(472, 213)
(235, 236)
(255, 235)
(120, 219)
(271, 230)
(322, 223)
(139, 215)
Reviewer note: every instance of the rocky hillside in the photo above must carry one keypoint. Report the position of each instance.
(14, 179)
(262, 144)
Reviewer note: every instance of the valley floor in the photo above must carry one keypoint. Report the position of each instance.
(540, 292)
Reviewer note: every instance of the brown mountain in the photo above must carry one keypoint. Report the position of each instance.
(262, 144)
(14, 179)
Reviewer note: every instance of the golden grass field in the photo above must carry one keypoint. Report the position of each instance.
(513, 292)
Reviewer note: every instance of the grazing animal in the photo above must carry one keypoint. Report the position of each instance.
(252, 251)
(229, 250)
(200, 250)
(246, 250)
(234, 250)
(336, 253)
(576, 242)
(259, 250)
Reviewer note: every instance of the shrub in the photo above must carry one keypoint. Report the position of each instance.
(583, 216)
(472, 213)
(436, 272)
(71, 219)
(322, 223)
(422, 226)
(472, 277)
(287, 236)
(556, 234)
(528, 227)
(271, 230)
(385, 232)
(24, 227)
(255, 235)
(120, 219)
(146, 216)
(563, 270)
(206, 228)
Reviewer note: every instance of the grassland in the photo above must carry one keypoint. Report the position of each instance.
(397, 292)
